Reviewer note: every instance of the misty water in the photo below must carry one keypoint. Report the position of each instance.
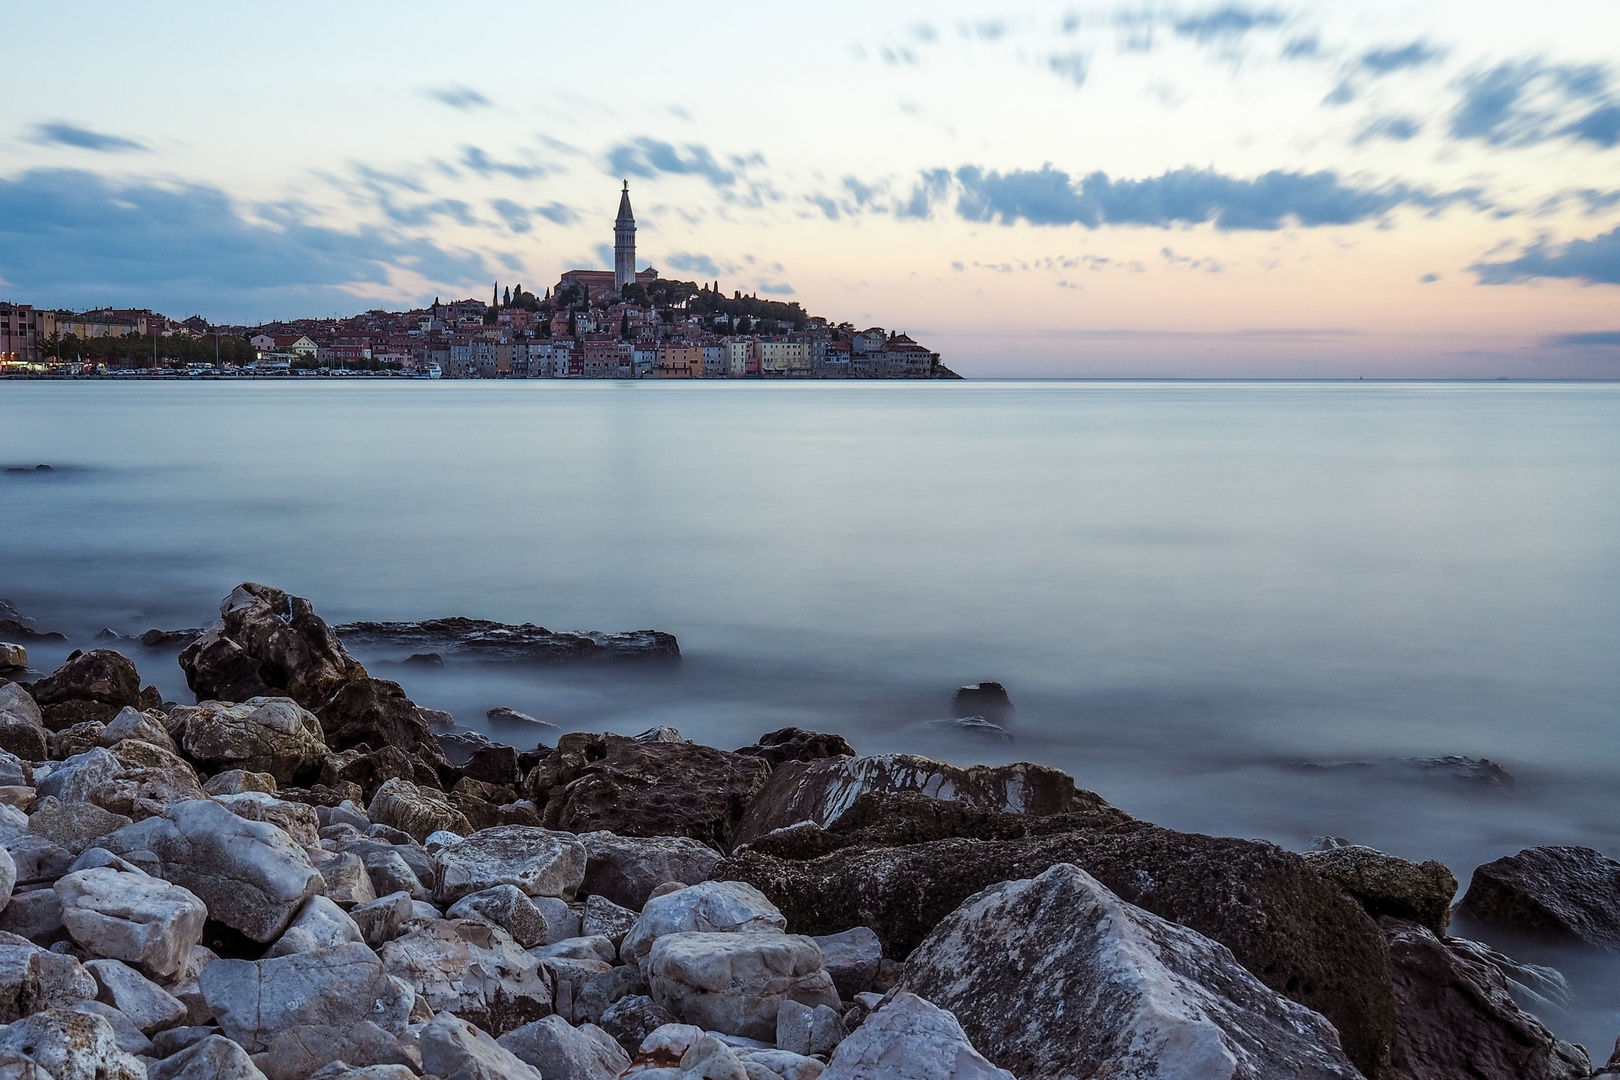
(1191, 590)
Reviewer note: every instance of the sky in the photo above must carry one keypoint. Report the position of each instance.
(1373, 189)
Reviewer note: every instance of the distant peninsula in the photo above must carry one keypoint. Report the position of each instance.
(593, 324)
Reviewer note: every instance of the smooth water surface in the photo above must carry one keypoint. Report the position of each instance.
(1189, 588)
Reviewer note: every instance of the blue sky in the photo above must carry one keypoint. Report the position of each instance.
(1093, 189)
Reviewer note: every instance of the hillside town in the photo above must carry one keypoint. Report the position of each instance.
(591, 324)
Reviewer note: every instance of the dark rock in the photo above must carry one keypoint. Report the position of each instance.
(1386, 885)
(987, 700)
(323, 794)
(373, 768)
(421, 659)
(63, 715)
(459, 746)
(480, 813)
(502, 715)
(1457, 1019)
(17, 630)
(971, 727)
(631, 1019)
(1480, 771)
(100, 675)
(170, 639)
(608, 782)
(268, 644)
(1562, 893)
(797, 744)
(480, 639)
(494, 765)
(376, 712)
(819, 791)
(1294, 931)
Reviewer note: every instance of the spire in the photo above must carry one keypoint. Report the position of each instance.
(624, 205)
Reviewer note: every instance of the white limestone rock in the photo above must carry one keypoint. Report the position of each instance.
(788, 1066)
(347, 881)
(255, 1000)
(712, 1059)
(384, 919)
(125, 1033)
(298, 1052)
(626, 869)
(71, 1045)
(131, 917)
(272, 735)
(508, 907)
(250, 874)
(149, 1006)
(580, 948)
(32, 978)
(908, 1038)
(804, 1031)
(735, 983)
(320, 925)
(402, 805)
(851, 958)
(456, 1050)
(38, 859)
(727, 907)
(563, 1052)
(297, 820)
(79, 777)
(606, 919)
(472, 969)
(389, 872)
(132, 723)
(1057, 977)
(213, 1058)
(538, 861)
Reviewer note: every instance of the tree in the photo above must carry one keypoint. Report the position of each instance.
(507, 302)
(624, 327)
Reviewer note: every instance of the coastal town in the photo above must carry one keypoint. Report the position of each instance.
(591, 324)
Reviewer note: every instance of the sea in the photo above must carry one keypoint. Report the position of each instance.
(1278, 610)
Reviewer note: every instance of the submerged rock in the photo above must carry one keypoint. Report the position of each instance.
(376, 713)
(1480, 771)
(267, 644)
(1386, 885)
(479, 639)
(985, 701)
(1563, 893)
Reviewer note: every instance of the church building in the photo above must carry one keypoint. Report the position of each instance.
(600, 283)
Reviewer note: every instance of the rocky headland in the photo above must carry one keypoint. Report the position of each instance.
(305, 874)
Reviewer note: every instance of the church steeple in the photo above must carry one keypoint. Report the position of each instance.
(624, 243)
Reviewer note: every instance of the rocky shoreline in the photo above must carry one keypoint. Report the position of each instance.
(305, 874)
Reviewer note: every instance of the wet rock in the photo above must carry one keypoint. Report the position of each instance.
(141, 920)
(539, 862)
(852, 959)
(820, 791)
(64, 715)
(1457, 1017)
(1297, 933)
(502, 714)
(238, 782)
(75, 826)
(100, 675)
(984, 700)
(71, 1045)
(301, 1051)
(320, 925)
(1056, 976)
(726, 907)
(505, 906)
(479, 639)
(631, 788)
(456, 1050)
(632, 1018)
(797, 744)
(272, 735)
(148, 1006)
(606, 919)
(256, 1000)
(170, 639)
(1386, 885)
(472, 969)
(403, 805)
(562, 1052)
(626, 869)
(376, 713)
(22, 727)
(250, 874)
(458, 747)
(909, 1039)
(213, 1058)
(494, 765)
(969, 729)
(1562, 893)
(736, 982)
(267, 644)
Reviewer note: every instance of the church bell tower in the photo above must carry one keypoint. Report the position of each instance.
(624, 243)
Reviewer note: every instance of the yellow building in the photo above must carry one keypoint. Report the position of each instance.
(784, 358)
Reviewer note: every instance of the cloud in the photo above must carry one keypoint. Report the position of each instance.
(1429, 279)
(60, 133)
(1227, 22)
(76, 237)
(1387, 60)
(481, 163)
(647, 158)
(1592, 337)
(1527, 102)
(464, 98)
(1048, 196)
(557, 213)
(1071, 66)
(686, 260)
(515, 216)
(1397, 128)
(776, 288)
(1595, 261)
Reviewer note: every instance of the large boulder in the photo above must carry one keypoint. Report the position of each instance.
(376, 713)
(1457, 1017)
(561, 1051)
(149, 780)
(1294, 931)
(736, 983)
(69, 1045)
(1057, 977)
(908, 1038)
(147, 1005)
(507, 907)
(418, 811)
(100, 675)
(626, 869)
(820, 791)
(299, 1052)
(1386, 885)
(32, 978)
(131, 723)
(1562, 893)
(22, 725)
(251, 875)
(724, 907)
(472, 969)
(142, 920)
(255, 1000)
(540, 862)
(272, 735)
(267, 644)
(211, 1058)
(633, 788)
(852, 958)
(456, 1050)
(320, 925)
(79, 777)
